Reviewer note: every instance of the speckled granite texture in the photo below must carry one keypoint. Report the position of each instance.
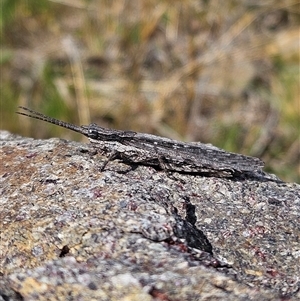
(72, 232)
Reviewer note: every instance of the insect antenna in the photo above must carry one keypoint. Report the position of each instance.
(40, 116)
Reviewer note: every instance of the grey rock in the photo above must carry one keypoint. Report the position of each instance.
(72, 232)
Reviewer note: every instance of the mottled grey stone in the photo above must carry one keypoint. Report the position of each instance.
(72, 232)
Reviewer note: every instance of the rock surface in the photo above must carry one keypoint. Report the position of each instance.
(72, 232)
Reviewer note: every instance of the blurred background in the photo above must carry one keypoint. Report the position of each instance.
(220, 72)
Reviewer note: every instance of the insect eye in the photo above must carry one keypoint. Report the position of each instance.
(92, 133)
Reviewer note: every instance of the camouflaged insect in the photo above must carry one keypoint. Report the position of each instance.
(160, 152)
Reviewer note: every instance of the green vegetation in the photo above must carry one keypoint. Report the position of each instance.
(220, 72)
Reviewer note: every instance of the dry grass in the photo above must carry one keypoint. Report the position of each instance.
(224, 72)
